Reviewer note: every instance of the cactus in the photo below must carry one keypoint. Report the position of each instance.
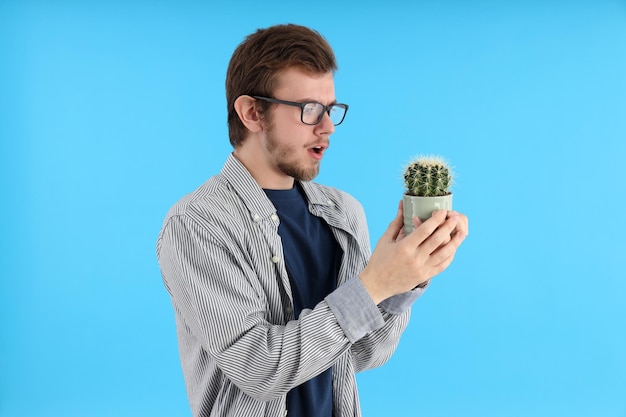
(428, 176)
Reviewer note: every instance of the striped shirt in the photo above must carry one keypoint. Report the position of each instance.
(241, 347)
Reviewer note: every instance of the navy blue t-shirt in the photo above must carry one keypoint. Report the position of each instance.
(312, 257)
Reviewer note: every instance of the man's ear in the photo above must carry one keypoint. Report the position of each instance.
(246, 110)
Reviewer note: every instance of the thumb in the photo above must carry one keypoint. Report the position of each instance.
(395, 226)
(416, 222)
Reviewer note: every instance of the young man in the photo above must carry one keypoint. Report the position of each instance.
(277, 301)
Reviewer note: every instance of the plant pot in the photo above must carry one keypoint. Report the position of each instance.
(423, 208)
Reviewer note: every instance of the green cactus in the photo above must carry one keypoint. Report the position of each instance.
(428, 176)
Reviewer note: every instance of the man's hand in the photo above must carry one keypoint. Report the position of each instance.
(399, 263)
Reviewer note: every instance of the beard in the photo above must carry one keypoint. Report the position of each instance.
(286, 161)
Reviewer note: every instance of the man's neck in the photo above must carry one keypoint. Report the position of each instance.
(262, 173)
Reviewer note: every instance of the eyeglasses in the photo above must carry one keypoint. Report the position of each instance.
(312, 112)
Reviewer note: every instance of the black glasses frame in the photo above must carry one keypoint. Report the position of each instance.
(327, 109)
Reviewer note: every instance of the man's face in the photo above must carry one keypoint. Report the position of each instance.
(295, 149)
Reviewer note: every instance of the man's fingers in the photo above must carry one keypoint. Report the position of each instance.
(462, 226)
(441, 236)
(423, 232)
(443, 256)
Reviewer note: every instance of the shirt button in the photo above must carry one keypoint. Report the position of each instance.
(274, 217)
(330, 203)
(275, 259)
(256, 216)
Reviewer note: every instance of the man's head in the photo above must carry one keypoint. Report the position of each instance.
(258, 61)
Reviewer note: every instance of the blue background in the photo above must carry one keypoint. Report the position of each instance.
(110, 112)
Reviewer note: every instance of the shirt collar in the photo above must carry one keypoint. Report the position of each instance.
(242, 182)
(253, 195)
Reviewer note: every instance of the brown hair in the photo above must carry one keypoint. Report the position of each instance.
(257, 61)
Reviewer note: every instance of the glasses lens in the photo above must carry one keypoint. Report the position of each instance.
(337, 113)
(312, 113)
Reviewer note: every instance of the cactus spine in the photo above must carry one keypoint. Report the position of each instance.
(428, 176)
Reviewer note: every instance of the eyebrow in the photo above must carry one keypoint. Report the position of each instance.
(309, 100)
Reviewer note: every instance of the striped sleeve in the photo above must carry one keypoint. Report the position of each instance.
(213, 286)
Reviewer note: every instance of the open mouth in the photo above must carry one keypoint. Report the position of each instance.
(317, 152)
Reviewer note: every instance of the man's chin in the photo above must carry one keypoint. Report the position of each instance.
(303, 175)
(308, 177)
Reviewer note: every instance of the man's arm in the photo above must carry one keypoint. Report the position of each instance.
(218, 295)
(401, 263)
(427, 254)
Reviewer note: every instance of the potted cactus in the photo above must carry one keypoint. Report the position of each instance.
(427, 180)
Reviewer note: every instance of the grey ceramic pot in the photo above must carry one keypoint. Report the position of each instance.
(423, 208)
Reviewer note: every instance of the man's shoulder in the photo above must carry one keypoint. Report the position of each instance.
(212, 199)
